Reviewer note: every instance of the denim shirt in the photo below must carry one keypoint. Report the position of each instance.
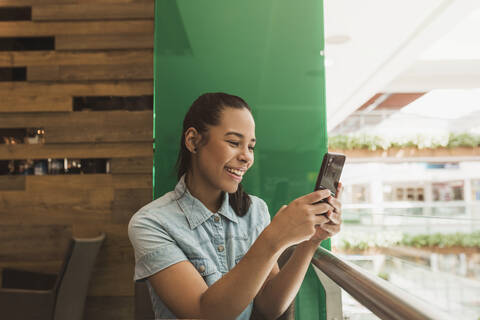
(178, 227)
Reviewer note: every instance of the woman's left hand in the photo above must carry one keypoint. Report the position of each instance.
(329, 229)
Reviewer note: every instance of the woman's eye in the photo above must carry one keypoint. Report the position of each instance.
(234, 143)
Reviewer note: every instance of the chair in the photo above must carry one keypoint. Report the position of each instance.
(144, 308)
(34, 295)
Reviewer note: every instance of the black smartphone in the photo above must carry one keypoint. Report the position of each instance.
(330, 172)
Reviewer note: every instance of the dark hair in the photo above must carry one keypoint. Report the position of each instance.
(206, 110)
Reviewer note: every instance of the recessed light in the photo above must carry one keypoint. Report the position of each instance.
(337, 39)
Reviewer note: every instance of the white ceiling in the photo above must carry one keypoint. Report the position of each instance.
(397, 46)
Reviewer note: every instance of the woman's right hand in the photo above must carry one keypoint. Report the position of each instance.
(296, 222)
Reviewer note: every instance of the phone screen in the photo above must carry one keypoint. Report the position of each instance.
(330, 172)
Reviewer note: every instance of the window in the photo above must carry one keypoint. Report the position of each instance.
(447, 191)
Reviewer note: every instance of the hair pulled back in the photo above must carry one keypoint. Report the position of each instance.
(206, 111)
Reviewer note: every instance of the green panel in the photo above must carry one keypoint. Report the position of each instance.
(268, 53)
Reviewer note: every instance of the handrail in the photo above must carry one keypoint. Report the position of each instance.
(378, 295)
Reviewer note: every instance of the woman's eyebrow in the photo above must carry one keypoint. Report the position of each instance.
(241, 136)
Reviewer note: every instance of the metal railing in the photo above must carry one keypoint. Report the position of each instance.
(379, 296)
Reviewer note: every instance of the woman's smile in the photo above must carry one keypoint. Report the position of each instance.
(236, 174)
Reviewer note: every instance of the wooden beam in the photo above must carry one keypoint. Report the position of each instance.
(132, 181)
(12, 182)
(77, 150)
(57, 205)
(54, 58)
(94, 88)
(132, 165)
(128, 201)
(34, 242)
(84, 118)
(19, 3)
(29, 28)
(104, 41)
(99, 11)
(129, 132)
(90, 72)
(95, 126)
(41, 103)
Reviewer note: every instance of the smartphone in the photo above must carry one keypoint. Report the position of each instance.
(330, 172)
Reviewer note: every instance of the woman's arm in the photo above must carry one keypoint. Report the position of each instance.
(184, 292)
(281, 289)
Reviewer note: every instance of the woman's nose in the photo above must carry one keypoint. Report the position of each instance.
(246, 155)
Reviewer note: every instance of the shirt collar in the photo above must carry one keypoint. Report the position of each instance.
(195, 211)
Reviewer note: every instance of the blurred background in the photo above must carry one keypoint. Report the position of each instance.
(403, 103)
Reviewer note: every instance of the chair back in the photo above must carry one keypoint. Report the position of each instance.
(74, 277)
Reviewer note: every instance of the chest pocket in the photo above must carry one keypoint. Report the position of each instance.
(207, 269)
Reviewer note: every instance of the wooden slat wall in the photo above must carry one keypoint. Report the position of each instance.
(102, 48)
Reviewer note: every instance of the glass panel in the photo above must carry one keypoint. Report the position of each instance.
(270, 53)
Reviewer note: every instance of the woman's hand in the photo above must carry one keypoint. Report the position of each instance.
(296, 222)
(331, 227)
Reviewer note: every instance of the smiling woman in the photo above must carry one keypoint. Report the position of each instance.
(208, 249)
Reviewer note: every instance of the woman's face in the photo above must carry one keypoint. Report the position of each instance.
(228, 153)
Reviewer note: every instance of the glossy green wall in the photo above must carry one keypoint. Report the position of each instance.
(267, 52)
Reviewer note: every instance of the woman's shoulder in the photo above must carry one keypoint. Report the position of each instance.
(259, 210)
(157, 209)
(257, 201)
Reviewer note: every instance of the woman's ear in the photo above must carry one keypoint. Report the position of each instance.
(192, 139)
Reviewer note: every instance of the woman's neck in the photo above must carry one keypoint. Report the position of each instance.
(203, 191)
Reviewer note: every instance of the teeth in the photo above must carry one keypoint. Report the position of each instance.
(235, 171)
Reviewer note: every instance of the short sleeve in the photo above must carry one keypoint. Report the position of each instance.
(265, 215)
(154, 248)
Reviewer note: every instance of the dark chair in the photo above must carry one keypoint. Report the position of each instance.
(144, 309)
(34, 295)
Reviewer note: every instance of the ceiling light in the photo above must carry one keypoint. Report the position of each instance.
(337, 39)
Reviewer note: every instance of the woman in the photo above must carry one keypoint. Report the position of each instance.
(208, 249)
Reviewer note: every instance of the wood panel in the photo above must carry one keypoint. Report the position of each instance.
(17, 3)
(127, 201)
(93, 88)
(34, 242)
(10, 3)
(104, 41)
(77, 150)
(41, 103)
(85, 11)
(48, 58)
(111, 132)
(82, 118)
(132, 165)
(86, 126)
(90, 72)
(132, 181)
(28, 28)
(57, 205)
(101, 308)
(103, 48)
(88, 182)
(10, 183)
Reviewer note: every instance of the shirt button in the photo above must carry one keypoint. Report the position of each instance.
(220, 248)
(216, 218)
(201, 268)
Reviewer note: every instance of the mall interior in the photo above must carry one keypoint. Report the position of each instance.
(93, 98)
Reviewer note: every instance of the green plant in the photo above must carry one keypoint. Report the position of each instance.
(384, 275)
(374, 142)
(363, 240)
